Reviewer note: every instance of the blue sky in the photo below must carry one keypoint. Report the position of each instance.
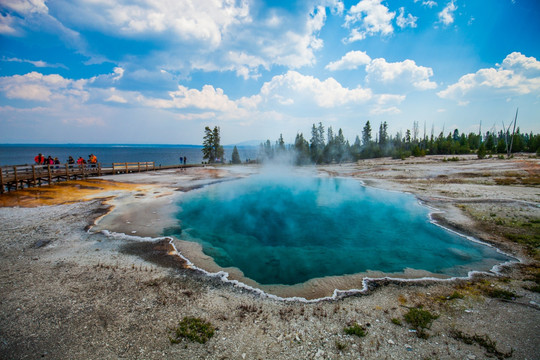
(159, 71)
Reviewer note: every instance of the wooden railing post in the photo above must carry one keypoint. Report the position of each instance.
(127, 168)
(1, 181)
(67, 171)
(34, 174)
(50, 174)
(139, 166)
(16, 177)
(99, 169)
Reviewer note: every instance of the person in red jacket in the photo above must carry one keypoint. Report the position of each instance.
(39, 159)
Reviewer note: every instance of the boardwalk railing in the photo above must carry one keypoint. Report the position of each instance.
(22, 176)
(128, 167)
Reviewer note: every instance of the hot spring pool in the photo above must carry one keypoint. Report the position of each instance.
(288, 230)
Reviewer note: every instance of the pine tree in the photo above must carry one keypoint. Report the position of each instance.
(383, 133)
(235, 156)
(212, 149)
(366, 134)
(208, 145)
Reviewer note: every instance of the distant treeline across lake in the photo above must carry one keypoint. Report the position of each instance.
(20, 154)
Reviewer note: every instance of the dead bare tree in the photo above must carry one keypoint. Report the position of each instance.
(513, 132)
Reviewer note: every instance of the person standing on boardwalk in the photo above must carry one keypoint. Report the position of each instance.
(185, 160)
(92, 159)
(39, 159)
(181, 160)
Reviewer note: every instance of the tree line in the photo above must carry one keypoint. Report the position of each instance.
(326, 146)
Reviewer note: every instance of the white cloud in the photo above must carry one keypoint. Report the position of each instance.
(428, 3)
(378, 110)
(372, 18)
(26, 6)
(203, 20)
(387, 104)
(518, 75)
(405, 21)
(36, 63)
(208, 98)
(350, 61)
(326, 94)
(39, 87)
(446, 16)
(406, 72)
(119, 72)
(116, 98)
(7, 25)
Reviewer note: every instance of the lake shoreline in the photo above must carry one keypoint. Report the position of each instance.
(69, 293)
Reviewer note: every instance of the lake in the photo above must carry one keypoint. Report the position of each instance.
(20, 154)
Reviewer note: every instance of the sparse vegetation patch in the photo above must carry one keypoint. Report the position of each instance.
(355, 329)
(194, 329)
(420, 320)
(484, 341)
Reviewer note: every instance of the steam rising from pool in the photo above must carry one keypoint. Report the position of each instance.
(290, 229)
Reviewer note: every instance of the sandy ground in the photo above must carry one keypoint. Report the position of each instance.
(70, 291)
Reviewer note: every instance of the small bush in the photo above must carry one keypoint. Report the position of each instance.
(396, 321)
(193, 329)
(355, 329)
(420, 319)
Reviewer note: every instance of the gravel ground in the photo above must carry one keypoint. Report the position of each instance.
(70, 293)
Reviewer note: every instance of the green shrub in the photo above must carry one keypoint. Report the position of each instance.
(420, 319)
(355, 329)
(193, 329)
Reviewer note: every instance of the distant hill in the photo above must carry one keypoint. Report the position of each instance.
(246, 143)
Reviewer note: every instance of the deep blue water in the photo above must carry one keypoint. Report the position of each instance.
(107, 154)
(287, 230)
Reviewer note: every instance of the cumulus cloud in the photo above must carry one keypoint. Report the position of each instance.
(350, 61)
(208, 98)
(517, 75)
(206, 35)
(204, 20)
(387, 104)
(379, 70)
(405, 21)
(39, 87)
(327, 94)
(368, 18)
(446, 16)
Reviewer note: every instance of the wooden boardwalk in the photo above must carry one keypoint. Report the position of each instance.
(24, 176)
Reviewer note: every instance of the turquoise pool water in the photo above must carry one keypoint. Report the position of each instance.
(287, 230)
